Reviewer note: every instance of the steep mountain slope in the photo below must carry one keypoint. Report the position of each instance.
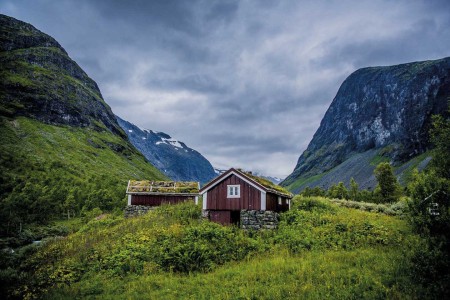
(62, 149)
(383, 112)
(173, 158)
(39, 80)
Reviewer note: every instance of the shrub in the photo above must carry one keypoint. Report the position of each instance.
(311, 203)
(200, 247)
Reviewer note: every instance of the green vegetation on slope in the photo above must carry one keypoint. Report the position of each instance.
(362, 273)
(320, 250)
(368, 163)
(48, 172)
(303, 181)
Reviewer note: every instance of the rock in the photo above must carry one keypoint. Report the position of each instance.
(40, 81)
(386, 110)
(258, 219)
(137, 210)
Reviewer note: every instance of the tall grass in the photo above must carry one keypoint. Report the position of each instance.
(320, 250)
(357, 274)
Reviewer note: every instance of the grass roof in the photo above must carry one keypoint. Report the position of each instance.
(162, 187)
(268, 184)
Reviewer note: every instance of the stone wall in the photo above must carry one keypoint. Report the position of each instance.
(136, 210)
(259, 219)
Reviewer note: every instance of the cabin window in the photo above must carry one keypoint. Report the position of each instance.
(279, 200)
(233, 191)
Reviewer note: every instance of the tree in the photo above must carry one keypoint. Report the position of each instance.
(332, 191)
(342, 192)
(440, 136)
(432, 187)
(338, 191)
(388, 187)
(354, 190)
(429, 212)
(70, 204)
(318, 191)
(307, 192)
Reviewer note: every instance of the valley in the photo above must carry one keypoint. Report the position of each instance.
(369, 219)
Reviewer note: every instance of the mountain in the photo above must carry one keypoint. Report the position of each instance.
(40, 81)
(378, 114)
(275, 180)
(173, 158)
(219, 171)
(62, 150)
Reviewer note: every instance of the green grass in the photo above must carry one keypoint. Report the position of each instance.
(358, 274)
(320, 251)
(377, 159)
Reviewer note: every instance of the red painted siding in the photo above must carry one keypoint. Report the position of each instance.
(220, 216)
(157, 200)
(250, 197)
(273, 204)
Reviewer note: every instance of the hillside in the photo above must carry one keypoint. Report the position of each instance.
(173, 158)
(378, 114)
(320, 251)
(62, 150)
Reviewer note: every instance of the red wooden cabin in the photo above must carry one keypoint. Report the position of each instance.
(225, 196)
(155, 193)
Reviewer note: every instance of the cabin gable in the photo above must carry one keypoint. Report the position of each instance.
(240, 197)
(219, 198)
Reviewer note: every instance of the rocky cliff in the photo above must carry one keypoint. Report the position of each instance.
(381, 112)
(171, 157)
(39, 80)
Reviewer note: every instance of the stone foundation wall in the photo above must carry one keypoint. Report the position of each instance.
(137, 210)
(259, 219)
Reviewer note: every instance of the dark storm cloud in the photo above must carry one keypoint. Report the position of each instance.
(246, 83)
(168, 14)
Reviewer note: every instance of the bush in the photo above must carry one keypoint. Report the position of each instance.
(311, 203)
(200, 247)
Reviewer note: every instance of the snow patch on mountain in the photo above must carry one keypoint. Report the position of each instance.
(166, 154)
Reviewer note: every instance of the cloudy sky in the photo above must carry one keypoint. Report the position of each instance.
(245, 83)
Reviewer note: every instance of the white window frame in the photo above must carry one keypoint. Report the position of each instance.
(233, 191)
(279, 201)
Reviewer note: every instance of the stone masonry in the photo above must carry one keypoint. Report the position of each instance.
(259, 219)
(136, 210)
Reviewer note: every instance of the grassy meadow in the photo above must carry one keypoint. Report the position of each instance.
(320, 251)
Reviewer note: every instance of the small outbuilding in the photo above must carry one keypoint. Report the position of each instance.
(235, 192)
(155, 193)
